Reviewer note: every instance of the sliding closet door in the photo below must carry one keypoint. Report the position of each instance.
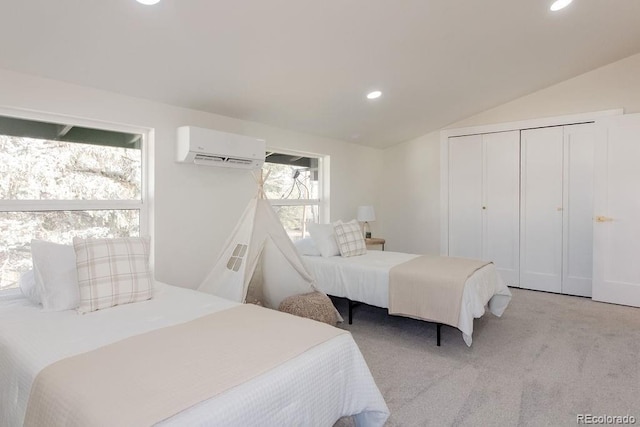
(579, 158)
(541, 209)
(465, 196)
(616, 254)
(501, 225)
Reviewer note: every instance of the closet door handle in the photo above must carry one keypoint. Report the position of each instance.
(601, 218)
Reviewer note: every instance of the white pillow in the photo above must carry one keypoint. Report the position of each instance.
(27, 283)
(349, 238)
(324, 238)
(307, 247)
(54, 267)
(112, 271)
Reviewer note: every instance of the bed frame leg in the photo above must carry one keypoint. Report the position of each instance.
(352, 305)
(438, 326)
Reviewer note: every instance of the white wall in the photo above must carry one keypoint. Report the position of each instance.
(195, 206)
(616, 85)
(410, 214)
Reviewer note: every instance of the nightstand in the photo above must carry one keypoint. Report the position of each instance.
(373, 241)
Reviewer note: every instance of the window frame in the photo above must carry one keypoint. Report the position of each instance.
(141, 205)
(322, 202)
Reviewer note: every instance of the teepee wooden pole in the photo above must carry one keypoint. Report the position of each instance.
(261, 178)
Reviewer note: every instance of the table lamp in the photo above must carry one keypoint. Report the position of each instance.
(366, 214)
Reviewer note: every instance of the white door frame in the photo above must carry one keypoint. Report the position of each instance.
(499, 127)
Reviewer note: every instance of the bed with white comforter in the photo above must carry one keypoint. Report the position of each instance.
(317, 387)
(365, 278)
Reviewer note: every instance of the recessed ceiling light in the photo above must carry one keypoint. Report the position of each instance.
(559, 4)
(148, 2)
(375, 94)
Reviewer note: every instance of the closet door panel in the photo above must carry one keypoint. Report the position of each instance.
(501, 226)
(579, 157)
(465, 196)
(541, 209)
(616, 269)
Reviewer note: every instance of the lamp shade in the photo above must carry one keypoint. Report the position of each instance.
(366, 213)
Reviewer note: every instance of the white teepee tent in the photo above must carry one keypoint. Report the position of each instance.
(259, 262)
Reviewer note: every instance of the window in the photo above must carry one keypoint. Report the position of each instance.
(294, 190)
(58, 181)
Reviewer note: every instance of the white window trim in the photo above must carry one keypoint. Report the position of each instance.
(295, 202)
(67, 205)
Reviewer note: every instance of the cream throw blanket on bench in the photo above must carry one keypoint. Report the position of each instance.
(430, 287)
(147, 378)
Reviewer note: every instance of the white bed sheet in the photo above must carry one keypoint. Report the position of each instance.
(315, 388)
(365, 278)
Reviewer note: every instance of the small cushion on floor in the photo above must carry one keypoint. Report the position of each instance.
(314, 305)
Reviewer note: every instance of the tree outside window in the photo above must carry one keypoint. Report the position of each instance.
(59, 181)
(293, 188)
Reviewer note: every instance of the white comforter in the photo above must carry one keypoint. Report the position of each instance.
(315, 388)
(365, 278)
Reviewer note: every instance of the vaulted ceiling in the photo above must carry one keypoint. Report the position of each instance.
(307, 65)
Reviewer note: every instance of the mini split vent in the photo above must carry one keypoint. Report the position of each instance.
(215, 148)
(205, 159)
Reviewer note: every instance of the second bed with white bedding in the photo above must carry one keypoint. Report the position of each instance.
(365, 278)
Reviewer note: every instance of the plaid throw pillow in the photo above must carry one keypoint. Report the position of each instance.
(112, 272)
(350, 240)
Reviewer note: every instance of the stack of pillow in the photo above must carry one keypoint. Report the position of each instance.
(91, 274)
(340, 238)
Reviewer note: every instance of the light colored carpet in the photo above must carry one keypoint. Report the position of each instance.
(549, 358)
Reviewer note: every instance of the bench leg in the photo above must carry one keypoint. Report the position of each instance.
(438, 326)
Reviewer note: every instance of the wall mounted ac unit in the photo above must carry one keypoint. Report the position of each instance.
(211, 147)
